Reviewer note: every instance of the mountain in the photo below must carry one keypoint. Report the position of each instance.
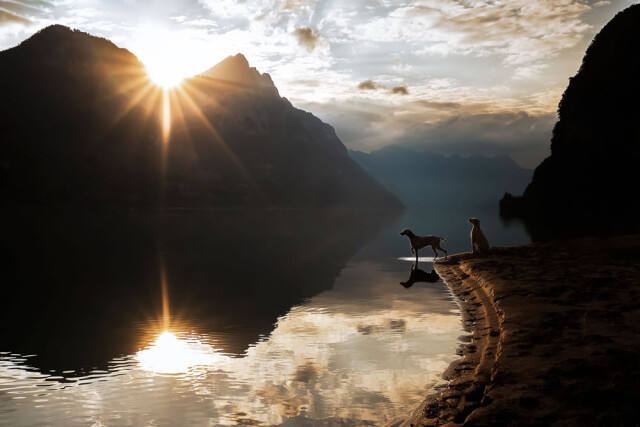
(427, 179)
(236, 70)
(83, 125)
(589, 183)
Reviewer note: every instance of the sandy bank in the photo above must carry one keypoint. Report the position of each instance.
(555, 336)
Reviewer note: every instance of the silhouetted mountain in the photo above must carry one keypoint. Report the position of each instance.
(82, 125)
(589, 183)
(427, 179)
(236, 69)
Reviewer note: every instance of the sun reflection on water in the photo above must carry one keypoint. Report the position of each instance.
(333, 358)
(171, 354)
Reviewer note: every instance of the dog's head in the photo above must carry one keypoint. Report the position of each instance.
(405, 232)
(474, 221)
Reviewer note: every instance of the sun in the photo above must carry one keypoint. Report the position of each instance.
(165, 75)
(169, 56)
(166, 65)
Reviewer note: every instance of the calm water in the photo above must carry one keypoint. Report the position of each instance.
(224, 317)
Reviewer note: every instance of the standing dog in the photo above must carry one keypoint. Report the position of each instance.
(419, 242)
(477, 237)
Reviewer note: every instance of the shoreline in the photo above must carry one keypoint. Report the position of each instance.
(554, 336)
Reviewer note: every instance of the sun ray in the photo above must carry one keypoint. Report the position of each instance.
(165, 126)
(195, 109)
(166, 315)
(180, 122)
(172, 106)
(166, 118)
(142, 94)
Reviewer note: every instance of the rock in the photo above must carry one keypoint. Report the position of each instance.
(589, 182)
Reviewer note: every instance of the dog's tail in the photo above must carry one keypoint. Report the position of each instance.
(444, 239)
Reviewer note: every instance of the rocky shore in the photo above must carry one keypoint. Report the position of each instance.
(555, 336)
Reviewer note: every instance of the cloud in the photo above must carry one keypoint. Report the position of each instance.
(307, 37)
(369, 329)
(398, 325)
(8, 17)
(516, 31)
(24, 13)
(524, 137)
(370, 85)
(21, 19)
(437, 105)
(464, 60)
(305, 373)
(400, 90)
(530, 72)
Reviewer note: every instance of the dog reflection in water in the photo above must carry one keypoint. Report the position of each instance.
(418, 275)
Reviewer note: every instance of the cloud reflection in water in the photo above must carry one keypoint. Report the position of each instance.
(366, 350)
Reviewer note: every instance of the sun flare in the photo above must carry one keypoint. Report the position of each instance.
(165, 76)
(170, 56)
(170, 354)
(166, 66)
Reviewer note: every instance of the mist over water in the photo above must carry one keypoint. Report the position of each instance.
(279, 317)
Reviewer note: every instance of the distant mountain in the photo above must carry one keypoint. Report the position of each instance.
(427, 179)
(82, 125)
(589, 183)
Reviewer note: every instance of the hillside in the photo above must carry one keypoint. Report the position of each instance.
(589, 182)
(83, 125)
(427, 179)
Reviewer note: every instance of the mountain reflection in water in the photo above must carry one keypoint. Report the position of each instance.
(84, 285)
(306, 324)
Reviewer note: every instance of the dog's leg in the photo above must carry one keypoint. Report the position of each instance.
(434, 251)
(442, 249)
(416, 252)
(473, 248)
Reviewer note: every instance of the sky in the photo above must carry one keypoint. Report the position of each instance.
(451, 76)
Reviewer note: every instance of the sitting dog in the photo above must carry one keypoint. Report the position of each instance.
(419, 242)
(478, 238)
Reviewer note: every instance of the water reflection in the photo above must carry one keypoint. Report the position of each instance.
(335, 357)
(171, 354)
(311, 328)
(418, 275)
(81, 287)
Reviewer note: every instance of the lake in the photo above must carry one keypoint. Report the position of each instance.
(225, 317)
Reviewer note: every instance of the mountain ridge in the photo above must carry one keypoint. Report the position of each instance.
(84, 126)
(236, 69)
(430, 179)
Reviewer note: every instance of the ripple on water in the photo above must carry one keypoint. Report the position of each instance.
(337, 356)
